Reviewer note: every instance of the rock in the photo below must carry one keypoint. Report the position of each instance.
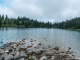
(49, 53)
(12, 52)
(2, 57)
(22, 54)
(22, 47)
(43, 58)
(7, 48)
(21, 59)
(52, 57)
(38, 51)
(77, 58)
(71, 59)
(6, 45)
(6, 51)
(9, 57)
(56, 48)
(1, 51)
(17, 56)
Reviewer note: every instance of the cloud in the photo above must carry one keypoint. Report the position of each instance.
(23, 8)
(42, 10)
(4, 10)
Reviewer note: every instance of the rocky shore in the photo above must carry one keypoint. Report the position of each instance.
(19, 51)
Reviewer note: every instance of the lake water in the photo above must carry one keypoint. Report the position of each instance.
(56, 37)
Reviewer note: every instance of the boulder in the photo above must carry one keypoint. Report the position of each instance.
(9, 57)
(1, 51)
(6, 45)
(3, 56)
(49, 53)
(21, 59)
(22, 54)
(43, 58)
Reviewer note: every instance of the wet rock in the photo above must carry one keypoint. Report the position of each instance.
(77, 58)
(6, 45)
(11, 52)
(6, 51)
(52, 57)
(1, 51)
(38, 51)
(20, 59)
(43, 58)
(22, 54)
(9, 57)
(7, 48)
(49, 53)
(3, 56)
(17, 57)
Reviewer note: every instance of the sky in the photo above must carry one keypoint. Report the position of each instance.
(42, 10)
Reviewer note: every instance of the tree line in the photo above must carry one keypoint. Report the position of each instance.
(22, 22)
(31, 23)
(73, 23)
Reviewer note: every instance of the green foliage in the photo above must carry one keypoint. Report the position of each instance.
(30, 23)
(69, 24)
(22, 22)
(31, 58)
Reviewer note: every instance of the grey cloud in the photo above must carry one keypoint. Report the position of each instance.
(45, 10)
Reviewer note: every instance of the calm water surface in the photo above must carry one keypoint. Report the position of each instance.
(56, 37)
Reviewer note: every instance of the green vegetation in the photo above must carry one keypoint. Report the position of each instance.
(22, 22)
(31, 58)
(69, 24)
(30, 23)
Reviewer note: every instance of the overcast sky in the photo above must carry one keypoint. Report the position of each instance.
(42, 10)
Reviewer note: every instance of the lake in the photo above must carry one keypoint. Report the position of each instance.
(55, 37)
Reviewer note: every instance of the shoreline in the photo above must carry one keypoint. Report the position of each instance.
(19, 50)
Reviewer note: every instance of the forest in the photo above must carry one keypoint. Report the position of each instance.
(5, 21)
(73, 23)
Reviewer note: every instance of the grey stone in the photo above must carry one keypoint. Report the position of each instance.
(1, 51)
(20, 59)
(3, 56)
(6, 45)
(9, 57)
(7, 48)
(22, 54)
(49, 53)
(16, 57)
(38, 51)
(43, 58)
